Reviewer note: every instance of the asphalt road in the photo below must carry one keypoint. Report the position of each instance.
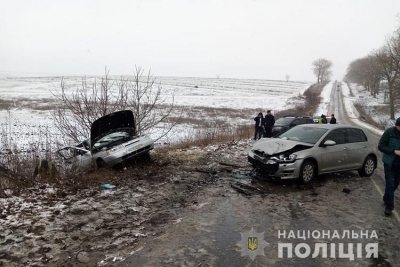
(208, 233)
(378, 179)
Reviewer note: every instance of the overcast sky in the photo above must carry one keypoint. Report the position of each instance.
(264, 39)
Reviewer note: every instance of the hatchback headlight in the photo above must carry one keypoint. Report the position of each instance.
(110, 151)
(282, 158)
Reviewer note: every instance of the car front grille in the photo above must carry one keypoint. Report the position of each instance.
(269, 168)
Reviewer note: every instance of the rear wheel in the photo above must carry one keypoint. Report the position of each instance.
(308, 172)
(368, 167)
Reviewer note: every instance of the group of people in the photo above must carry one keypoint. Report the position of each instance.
(263, 126)
(324, 120)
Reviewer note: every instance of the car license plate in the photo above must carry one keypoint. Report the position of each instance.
(132, 149)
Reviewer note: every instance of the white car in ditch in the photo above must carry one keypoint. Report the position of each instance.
(113, 140)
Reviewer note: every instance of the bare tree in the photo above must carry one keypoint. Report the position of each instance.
(389, 59)
(139, 93)
(367, 72)
(322, 69)
(287, 77)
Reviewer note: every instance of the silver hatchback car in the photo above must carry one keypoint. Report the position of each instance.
(308, 150)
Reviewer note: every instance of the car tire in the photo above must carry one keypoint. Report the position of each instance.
(368, 167)
(101, 163)
(308, 172)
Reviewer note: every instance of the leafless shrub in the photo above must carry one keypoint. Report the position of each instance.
(89, 102)
(19, 168)
(312, 100)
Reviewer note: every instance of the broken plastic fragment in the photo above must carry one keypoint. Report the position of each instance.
(107, 186)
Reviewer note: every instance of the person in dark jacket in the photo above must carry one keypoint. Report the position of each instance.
(269, 122)
(259, 129)
(389, 145)
(333, 119)
(324, 120)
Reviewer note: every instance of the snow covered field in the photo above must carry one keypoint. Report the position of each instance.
(31, 101)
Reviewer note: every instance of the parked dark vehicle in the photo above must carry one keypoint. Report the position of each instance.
(285, 123)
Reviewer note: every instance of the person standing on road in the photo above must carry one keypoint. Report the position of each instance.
(333, 119)
(389, 145)
(323, 119)
(269, 122)
(259, 130)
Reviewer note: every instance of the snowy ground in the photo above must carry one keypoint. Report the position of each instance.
(31, 101)
(27, 99)
(100, 228)
(357, 94)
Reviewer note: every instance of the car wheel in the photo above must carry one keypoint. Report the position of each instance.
(101, 163)
(368, 167)
(308, 172)
(146, 156)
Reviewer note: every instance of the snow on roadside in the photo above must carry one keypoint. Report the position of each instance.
(325, 99)
(352, 113)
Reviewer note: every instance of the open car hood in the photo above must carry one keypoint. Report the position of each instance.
(111, 122)
(275, 146)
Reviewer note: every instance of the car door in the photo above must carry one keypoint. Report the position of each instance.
(334, 158)
(76, 157)
(357, 148)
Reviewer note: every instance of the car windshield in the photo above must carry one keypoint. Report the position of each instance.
(113, 139)
(309, 135)
(284, 121)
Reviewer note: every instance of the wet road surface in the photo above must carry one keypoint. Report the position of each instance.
(208, 232)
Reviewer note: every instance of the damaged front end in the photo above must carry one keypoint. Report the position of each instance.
(278, 159)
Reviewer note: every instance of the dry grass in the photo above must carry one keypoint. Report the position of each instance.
(203, 137)
(210, 128)
(28, 103)
(368, 119)
(312, 99)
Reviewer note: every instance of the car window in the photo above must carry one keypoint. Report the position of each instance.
(297, 122)
(356, 135)
(309, 135)
(337, 135)
(284, 121)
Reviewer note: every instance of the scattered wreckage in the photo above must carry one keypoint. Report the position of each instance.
(308, 150)
(113, 140)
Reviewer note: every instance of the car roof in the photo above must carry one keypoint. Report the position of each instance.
(328, 126)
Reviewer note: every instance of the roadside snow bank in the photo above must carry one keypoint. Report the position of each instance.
(323, 107)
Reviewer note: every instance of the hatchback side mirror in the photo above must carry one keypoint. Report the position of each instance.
(329, 143)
